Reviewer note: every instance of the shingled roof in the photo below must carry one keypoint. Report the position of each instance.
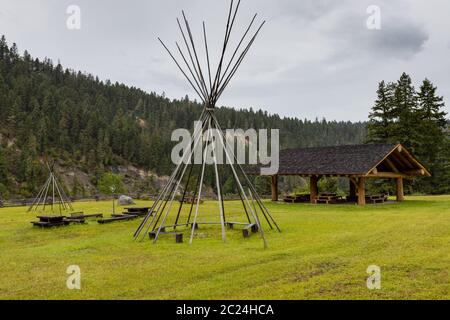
(342, 160)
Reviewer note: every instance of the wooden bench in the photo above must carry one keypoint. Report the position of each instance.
(253, 227)
(119, 215)
(178, 235)
(138, 211)
(232, 224)
(203, 223)
(85, 216)
(117, 218)
(75, 220)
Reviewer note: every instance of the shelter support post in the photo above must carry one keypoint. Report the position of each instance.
(313, 188)
(275, 188)
(361, 191)
(400, 193)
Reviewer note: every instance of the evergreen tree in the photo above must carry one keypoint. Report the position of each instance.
(432, 149)
(431, 105)
(404, 111)
(417, 121)
(4, 51)
(381, 117)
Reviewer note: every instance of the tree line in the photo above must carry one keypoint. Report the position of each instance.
(47, 111)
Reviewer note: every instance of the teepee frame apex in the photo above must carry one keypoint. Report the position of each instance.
(208, 86)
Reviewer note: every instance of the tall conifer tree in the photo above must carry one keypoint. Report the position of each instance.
(381, 117)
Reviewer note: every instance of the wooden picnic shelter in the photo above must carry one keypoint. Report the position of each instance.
(355, 162)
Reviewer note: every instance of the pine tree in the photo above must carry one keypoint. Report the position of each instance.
(404, 111)
(418, 121)
(14, 53)
(381, 117)
(4, 50)
(432, 149)
(431, 105)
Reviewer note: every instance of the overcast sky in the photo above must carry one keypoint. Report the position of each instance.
(314, 58)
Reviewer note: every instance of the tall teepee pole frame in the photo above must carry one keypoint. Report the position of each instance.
(51, 189)
(209, 88)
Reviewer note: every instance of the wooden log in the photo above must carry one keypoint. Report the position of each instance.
(392, 165)
(400, 192)
(361, 191)
(418, 172)
(85, 216)
(385, 175)
(124, 218)
(76, 214)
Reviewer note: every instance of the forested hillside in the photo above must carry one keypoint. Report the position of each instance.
(48, 111)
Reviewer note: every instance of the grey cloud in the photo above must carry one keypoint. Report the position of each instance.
(314, 58)
(403, 41)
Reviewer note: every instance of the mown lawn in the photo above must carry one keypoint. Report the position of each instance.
(322, 253)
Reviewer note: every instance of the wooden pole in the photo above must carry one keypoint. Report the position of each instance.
(313, 188)
(400, 193)
(219, 192)
(275, 188)
(361, 191)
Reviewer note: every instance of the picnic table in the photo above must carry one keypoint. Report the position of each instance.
(377, 198)
(50, 221)
(139, 211)
(297, 198)
(328, 198)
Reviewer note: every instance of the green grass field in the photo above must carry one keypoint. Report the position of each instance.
(322, 253)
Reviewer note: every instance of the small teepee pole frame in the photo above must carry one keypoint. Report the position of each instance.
(209, 87)
(51, 188)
